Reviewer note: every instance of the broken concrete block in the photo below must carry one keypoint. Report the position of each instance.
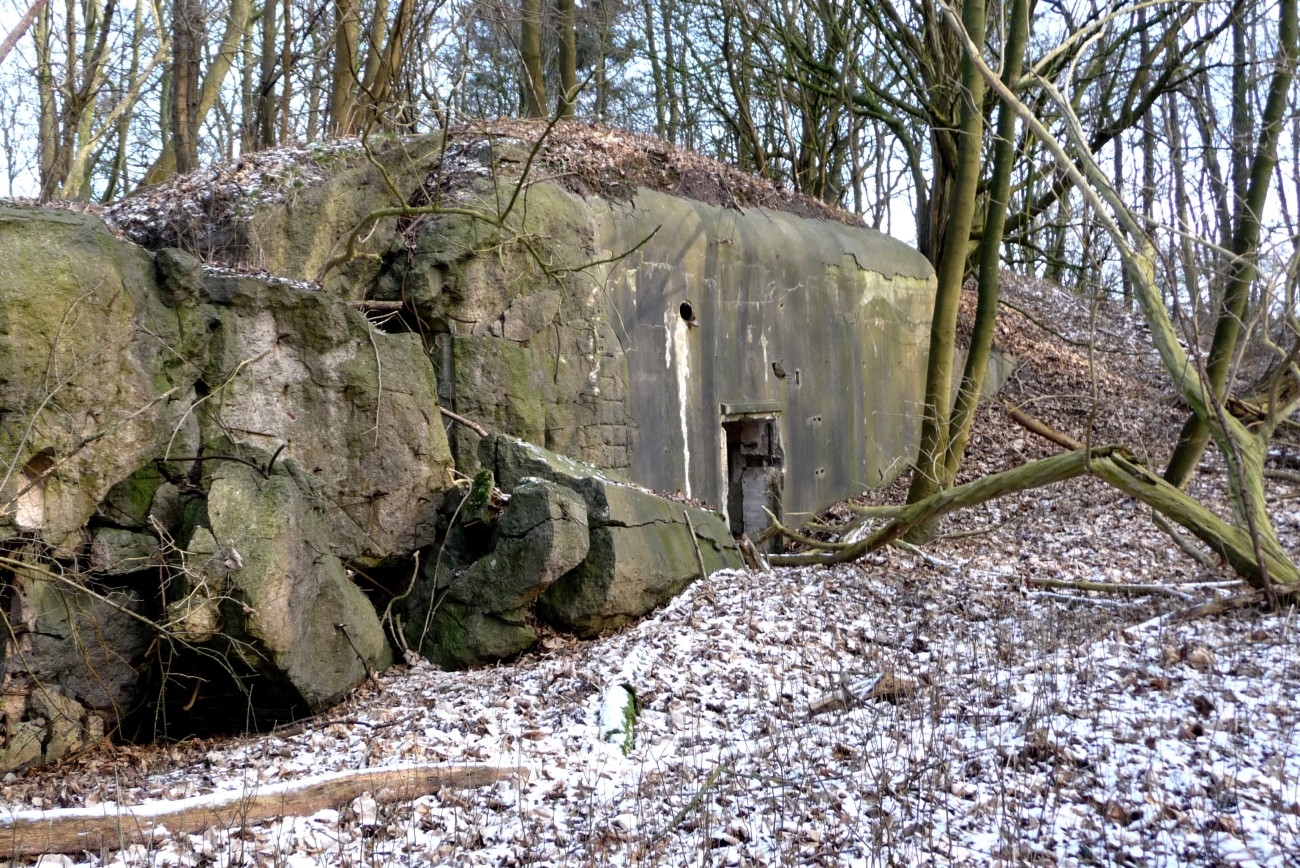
(543, 535)
(479, 617)
(643, 550)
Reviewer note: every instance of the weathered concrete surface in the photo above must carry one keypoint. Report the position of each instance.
(844, 311)
(643, 357)
(518, 349)
(643, 550)
(479, 613)
(542, 535)
(309, 626)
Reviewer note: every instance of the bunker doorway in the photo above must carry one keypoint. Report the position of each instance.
(755, 472)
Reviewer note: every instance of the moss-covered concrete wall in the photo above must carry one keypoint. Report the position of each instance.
(625, 334)
(842, 311)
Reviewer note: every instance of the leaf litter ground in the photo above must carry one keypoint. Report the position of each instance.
(913, 708)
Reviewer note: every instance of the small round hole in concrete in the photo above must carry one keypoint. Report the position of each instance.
(687, 310)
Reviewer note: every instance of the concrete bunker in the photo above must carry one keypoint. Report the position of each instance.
(607, 318)
(667, 338)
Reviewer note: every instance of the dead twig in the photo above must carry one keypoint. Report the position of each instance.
(468, 423)
(1108, 587)
(699, 555)
(1185, 545)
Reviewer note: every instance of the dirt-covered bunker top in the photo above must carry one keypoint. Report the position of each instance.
(586, 158)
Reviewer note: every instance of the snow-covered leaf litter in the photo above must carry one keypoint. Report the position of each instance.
(1036, 731)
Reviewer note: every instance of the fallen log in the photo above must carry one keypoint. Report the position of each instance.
(1113, 465)
(115, 827)
(1035, 474)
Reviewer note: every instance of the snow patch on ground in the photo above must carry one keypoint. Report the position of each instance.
(1039, 730)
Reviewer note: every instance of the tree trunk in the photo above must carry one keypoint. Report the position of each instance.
(187, 39)
(237, 20)
(77, 830)
(266, 100)
(47, 124)
(343, 89)
(930, 474)
(568, 57)
(386, 72)
(1253, 550)
(531, 84)
(1253, 186)
(990, 250)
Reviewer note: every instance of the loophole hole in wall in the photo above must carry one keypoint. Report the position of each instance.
(687, 311)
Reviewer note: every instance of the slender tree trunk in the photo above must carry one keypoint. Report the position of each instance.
(657, 74)
(187, 39)
(667, 16)
(47, 124)
(248, 101)
(1254, 185)
(385, 73)
(343, 87)
(286, 66)
(532, 85)
(929, 475)
(238, 17)
(376, 38)
(1186, 255)
(266, 100)
(81, 88)
(568, 56)
(990, 249)
(1118, 174)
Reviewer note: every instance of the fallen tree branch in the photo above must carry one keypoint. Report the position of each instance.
(1282, 473)
(73, 830)
(1035, 474)
(468, 423)
(1113, 465)
(1041, 428)
(1072, 599)
(888, 510)
(1109, 587)
(693, 803)
(1232, 543)
(1217, 607)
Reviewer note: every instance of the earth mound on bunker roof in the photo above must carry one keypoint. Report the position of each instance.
(199, 211)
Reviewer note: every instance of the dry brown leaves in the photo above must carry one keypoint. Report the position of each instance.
(595, 160)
